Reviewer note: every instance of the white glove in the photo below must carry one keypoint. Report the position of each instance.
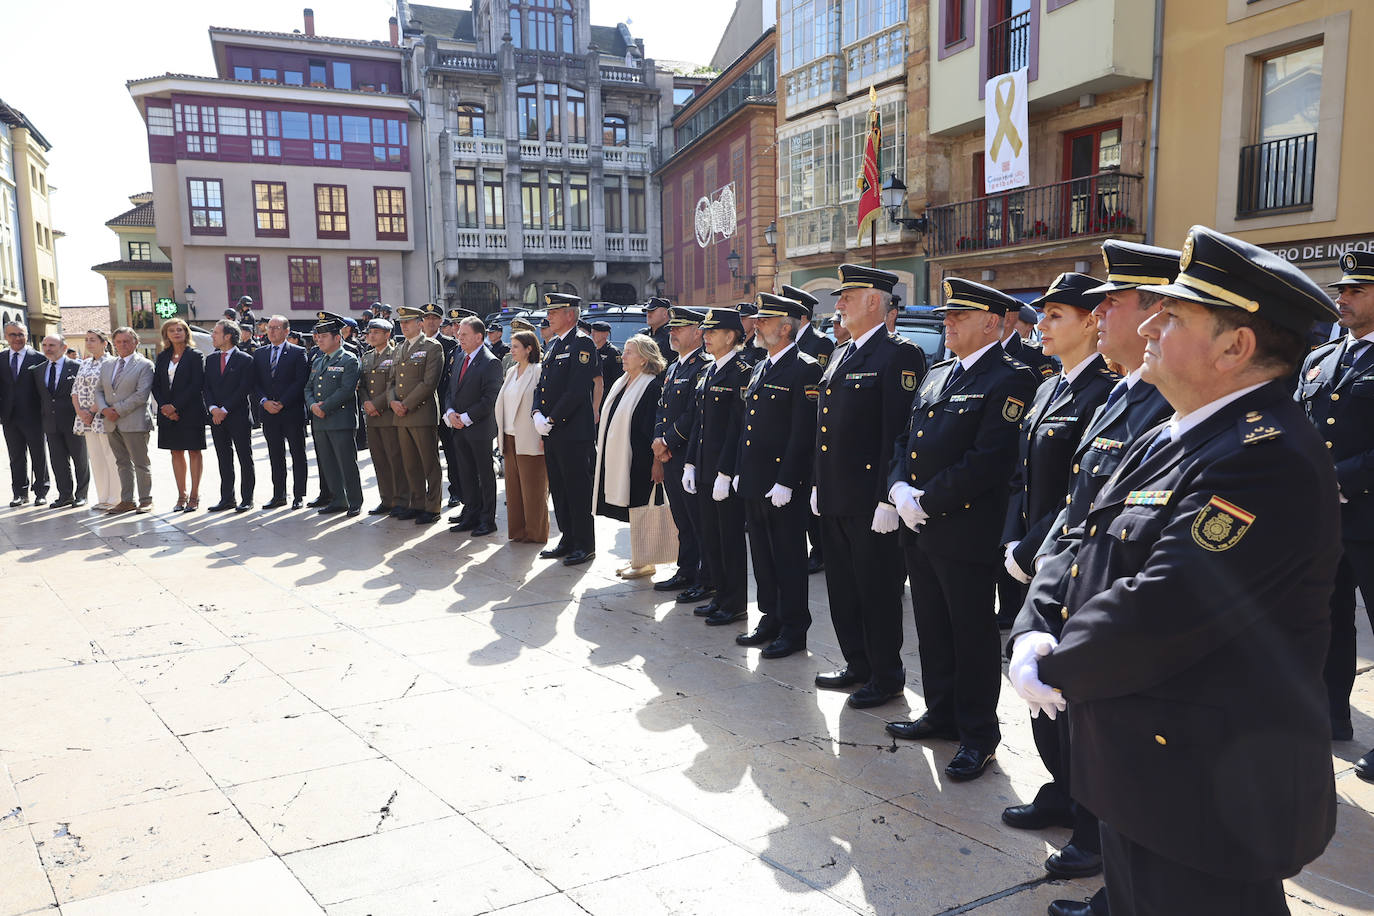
(1024, 674)
(734, 483)
(815, 509)
(689, 479)
(1013, 568)
(541, 424)
(905, 497)
(780, 495)
(721, 488)
(885, 519)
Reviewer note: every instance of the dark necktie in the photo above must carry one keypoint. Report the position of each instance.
(953, 376)
(710, 374)
(1162, 439)
(119, 370)
(14, 364)
(1118, 392)
(223, 361)
(276, 355)
(52, 377)
(1353, 352)
(1059, 389)
(844, 357)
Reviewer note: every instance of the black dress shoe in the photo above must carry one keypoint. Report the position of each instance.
(838, 680)
(380, 509)
(783, 646)
(968, 763)
(61, 502)
(1036, 817)
(244, 506)
(814, 565)
(78, 502)
(223, 505)
(454, 502)
(720, 617)
(19, 501)
(553, 553)
(332, 509)
(464, 526)
(482, 531)
(1342, 731)
(318, 501)
(761, 636)
(1364, 767)
(1070, 908)
(426, 518)
(679, 580)
(355, 512)
(276, 502)
(696, 593)
(1072, 862)
(706, 610)
(403, 515)
(40, 501)
(921, 729)
(297, 502)
(578, 557)
(868, 696)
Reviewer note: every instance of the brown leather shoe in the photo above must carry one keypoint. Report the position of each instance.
(145, 505)
(121, 507)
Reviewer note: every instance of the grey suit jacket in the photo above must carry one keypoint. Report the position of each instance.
(130, 397)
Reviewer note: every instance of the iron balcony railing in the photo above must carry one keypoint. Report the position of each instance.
(1009, 45)
(1277, 175)
(1108, 203)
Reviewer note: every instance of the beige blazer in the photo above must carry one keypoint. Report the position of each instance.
(521, 391)
(130, 396)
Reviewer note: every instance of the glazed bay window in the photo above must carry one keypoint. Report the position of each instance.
(854, 137)
(307, 286)
(244, 276)
(530, 209)
(205, 197)
(1278, 169)
(269, 209)
(331, 211)
(810, 173)
(390, 204)
(637, 214)
(364, 283)
(807, 30)
(611, 196)
(493, 198)
(465, 197)
(874, 37)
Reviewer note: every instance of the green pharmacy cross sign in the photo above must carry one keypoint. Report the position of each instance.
(165, 308)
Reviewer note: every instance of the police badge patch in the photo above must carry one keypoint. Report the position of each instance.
(909, 379)
(584, 357)
(1012, 410)
(813, 392)
(1220, 525)
(822, 358)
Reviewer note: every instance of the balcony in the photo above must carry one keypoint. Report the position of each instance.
(485, 149)
(622, 75)
(1277, 176)
(1009, 45)
(626, 158)
(877, 57)
(464, 62)
(1108, 203)
(628, 246)
(491, 242)
(818, 83)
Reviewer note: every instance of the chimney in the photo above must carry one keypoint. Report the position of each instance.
(309, 22)
(395, 31)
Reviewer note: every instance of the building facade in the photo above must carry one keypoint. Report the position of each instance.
(141, 280)
(28, 253)
(1089, 68)
(291, 176)
(1257, 137)
(541, 132)
(720, 187)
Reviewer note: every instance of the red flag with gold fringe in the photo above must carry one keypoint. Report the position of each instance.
(870, 201)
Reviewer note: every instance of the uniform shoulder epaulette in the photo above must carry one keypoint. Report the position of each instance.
(1256, 427)
(1328, 345)
(808, 358)
(945, 362)
(1109, 374)
(1014, 362)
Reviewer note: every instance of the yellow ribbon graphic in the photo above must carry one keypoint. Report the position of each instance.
(1005, 128)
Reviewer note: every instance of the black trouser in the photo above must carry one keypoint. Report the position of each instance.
(68, 453)
(282, 434)
(25, 444)
(360, 433)
(813, 534)
(1356, 569)
(1141, 882)
(687, 517)
(448, 444)
(961, 657)
(570, 485)
(864, 578)
(722, 546)
(229, 437)
(777, 545)
(1010, 596)
(1052, 741)
(478, 471)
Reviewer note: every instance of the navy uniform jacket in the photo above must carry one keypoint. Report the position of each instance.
(1197, 629)
(716, 428)
(753, 350)
(564, 393)
(610, 364)
(959, 446)
(814, 344)
(1050, 434)
(779, 425)
(863, 406)
(677, 405)
(1032, 356)
(333, 384)
(660, 337)
(1341, 404)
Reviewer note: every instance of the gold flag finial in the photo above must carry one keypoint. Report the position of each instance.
(872, 95)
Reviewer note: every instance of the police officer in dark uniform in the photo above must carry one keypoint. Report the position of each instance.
(712, 459)
(1334, 388)
(672, 433)
(432, 317)
(948, 480)
(1017, 347)
(818, 347)
(562, 412)
(865, 399)
(753, 350)
(656, 312)
(495, 344)
(1196, 616)
(774, 472)
(611, 368)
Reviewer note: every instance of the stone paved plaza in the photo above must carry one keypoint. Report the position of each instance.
(283, 714)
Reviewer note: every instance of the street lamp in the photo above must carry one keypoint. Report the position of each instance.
(894, 195)
(770, 235)
(733, 260)
(189, 294)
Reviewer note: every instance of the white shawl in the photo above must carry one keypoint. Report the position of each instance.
(616, 458)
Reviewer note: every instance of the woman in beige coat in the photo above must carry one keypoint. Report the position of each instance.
(527, 480)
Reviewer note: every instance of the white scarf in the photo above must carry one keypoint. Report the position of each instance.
(616, 460)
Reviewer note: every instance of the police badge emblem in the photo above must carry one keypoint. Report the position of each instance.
(1012, 410)
(1185, 257)
(909, 379)
(584, 357)
(1220, 525)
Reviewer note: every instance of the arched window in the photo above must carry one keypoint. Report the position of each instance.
(614, 131)
(472, 121)
(577, 116)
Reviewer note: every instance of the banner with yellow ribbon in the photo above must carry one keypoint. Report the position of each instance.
(1007, 153)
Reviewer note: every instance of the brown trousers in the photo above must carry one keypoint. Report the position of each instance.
(527, 495)
(418, 476)
(385, 447)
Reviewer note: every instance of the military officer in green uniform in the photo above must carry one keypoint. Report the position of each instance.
(374, 384)
(331, 397)
(415, 373)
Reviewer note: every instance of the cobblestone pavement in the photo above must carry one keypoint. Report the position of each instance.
(281, 713)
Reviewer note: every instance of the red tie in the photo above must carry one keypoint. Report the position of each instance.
(223, 361)
(467, 361)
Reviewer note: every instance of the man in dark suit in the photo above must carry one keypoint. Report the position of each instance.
(229, 379)
(53, 379)
(948, 481)
(611, 368)
(1196, 620)
(469, 411)
(562, 413)
(280, 371)
(19, 414)
(432, 319)
(865, 398)
(818, 347)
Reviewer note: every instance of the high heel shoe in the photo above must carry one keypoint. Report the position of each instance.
(192, 504)
(181, 504)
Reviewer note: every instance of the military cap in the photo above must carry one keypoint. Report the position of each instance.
(458, 314)
(544, 322)
(1029, 315)
(447, 322)
(520, 324)
(380, 307)
(1357, 269)
(771, 306)
(965, 295)
(894, 303)
(493, 325)
(1131, 265)
(747, 309)
(380, 324)
(561, 301)
(1078, 290)
(1219, 271)
(856, 276)
(350, 322)
(583, 325)
(408, 313)
(682, 317)
(367, 316)
(657, 302)
(327, 322)
(604, 326)
(723, 319)
(797, 294)
(431, 308)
